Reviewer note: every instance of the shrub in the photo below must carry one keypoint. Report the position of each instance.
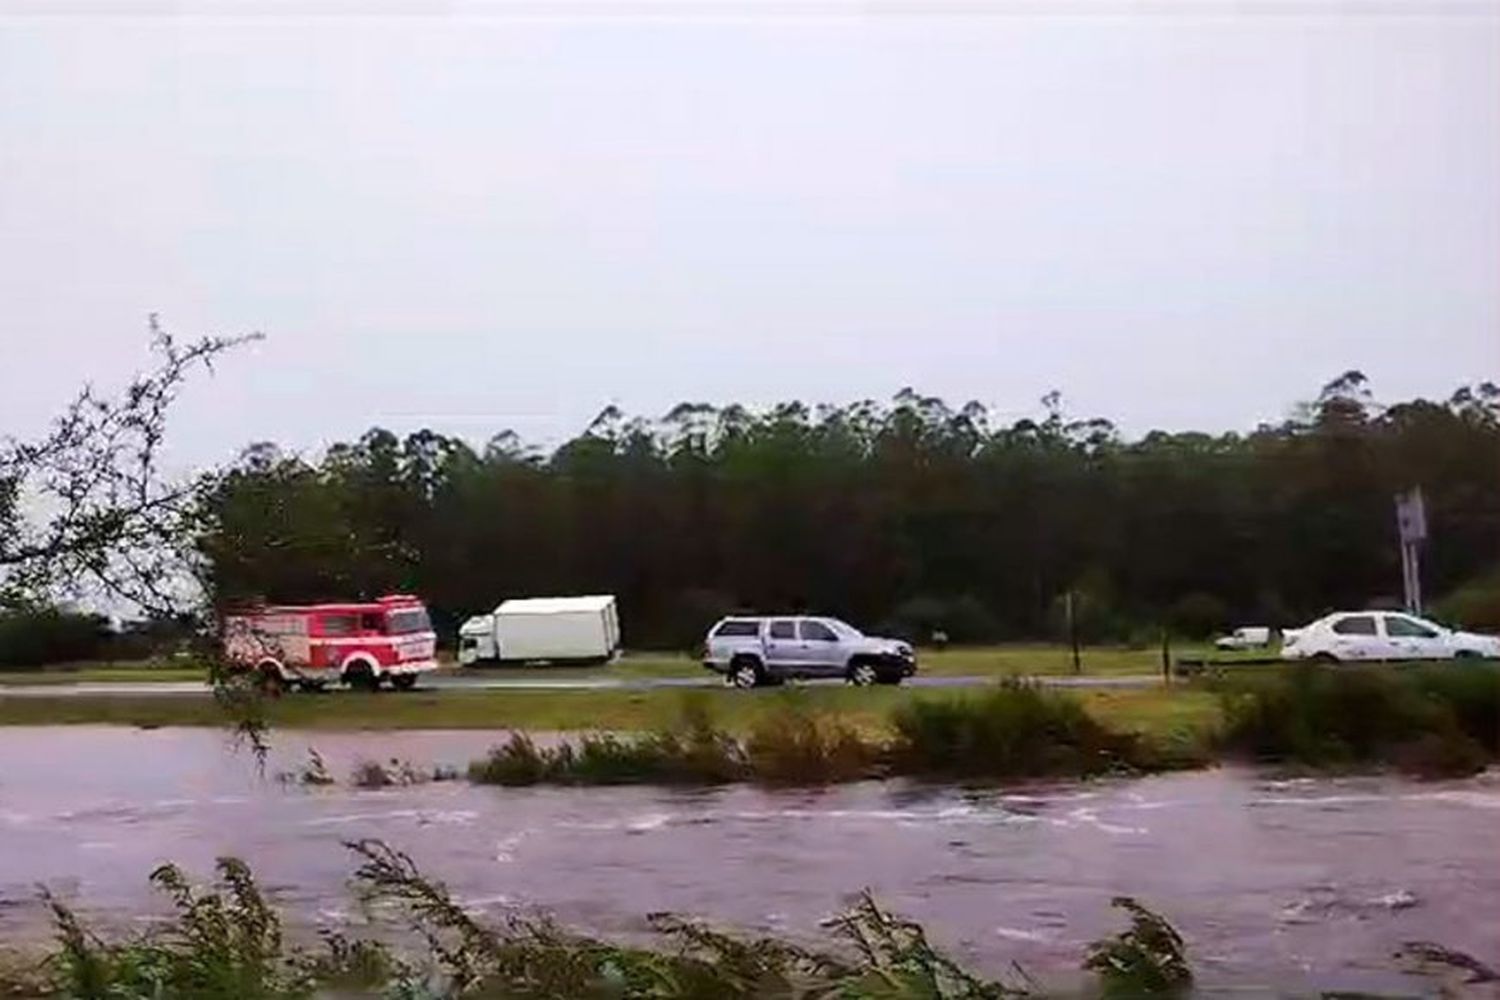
(1148, 958)
(693, 752)
(1471, 691)
(313, 772)
(534, 958)
(662, 758)
(1431, 721)
(518, 761)
(795, 746)
(1474, 605)
(373, 774)
(1015, 730)
(225, 944)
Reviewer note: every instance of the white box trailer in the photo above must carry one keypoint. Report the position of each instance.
(543, 629)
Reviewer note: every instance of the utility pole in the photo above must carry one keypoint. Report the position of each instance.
(1411, 528)
(1073, 633)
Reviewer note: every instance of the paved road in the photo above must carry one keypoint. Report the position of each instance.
(530, 682)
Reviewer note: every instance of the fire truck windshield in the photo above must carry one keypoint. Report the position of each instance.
(408, 620)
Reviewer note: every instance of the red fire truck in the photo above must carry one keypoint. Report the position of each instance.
(361, 644)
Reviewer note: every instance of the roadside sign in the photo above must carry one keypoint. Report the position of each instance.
(1411, 516)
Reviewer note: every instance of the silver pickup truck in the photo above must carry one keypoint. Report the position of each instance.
(752, 651)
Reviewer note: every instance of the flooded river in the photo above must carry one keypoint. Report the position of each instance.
(1314, 881)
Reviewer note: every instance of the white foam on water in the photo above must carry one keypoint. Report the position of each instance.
(1303, 911)
(1152, 806)
(505, 848)
(448, 817)
(1459, 797)
(349, 818)
(1323, 800)
(1043, 800)
(644, 823)
(1401, 899)
(1019, 934)
(1090, 817)
(484, 902)
(648, 822)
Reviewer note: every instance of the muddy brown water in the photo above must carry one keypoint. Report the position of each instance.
(1298, 884)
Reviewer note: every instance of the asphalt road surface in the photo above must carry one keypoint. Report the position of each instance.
(530, 682)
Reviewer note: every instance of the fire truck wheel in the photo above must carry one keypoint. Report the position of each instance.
(361, 678)
(404, 682)
(271, 681)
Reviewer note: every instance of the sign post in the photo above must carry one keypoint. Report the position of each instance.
(1411, 526)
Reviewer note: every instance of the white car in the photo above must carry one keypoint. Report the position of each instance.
(1347, 636)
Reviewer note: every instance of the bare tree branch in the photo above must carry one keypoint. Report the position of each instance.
(88, 504)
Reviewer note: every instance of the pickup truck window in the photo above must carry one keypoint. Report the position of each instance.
(783, 630)
(817, 632)
(738, 628)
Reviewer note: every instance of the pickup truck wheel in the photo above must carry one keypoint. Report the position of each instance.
(1326, 660)
(744, 673)
(863, 674)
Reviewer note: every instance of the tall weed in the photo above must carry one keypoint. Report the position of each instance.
(798, 746)
(1432, 721)
(226, 942)
(1014, 730)
(1148, 958)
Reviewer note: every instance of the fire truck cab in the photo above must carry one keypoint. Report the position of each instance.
(361, 644)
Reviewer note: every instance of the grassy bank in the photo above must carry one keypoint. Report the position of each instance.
(1425, 719)
(1011, 730)
(1156, 711)
(87, 673)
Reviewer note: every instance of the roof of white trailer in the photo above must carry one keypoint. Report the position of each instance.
(554, 605)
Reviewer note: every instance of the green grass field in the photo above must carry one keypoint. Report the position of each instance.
(1157, 711)
(99, 672)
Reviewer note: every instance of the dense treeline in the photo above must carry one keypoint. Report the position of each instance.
(911, 515)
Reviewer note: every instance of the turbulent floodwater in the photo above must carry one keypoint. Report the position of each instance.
(1314, 882)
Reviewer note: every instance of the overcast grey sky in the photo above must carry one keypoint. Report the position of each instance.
(1177, 215)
